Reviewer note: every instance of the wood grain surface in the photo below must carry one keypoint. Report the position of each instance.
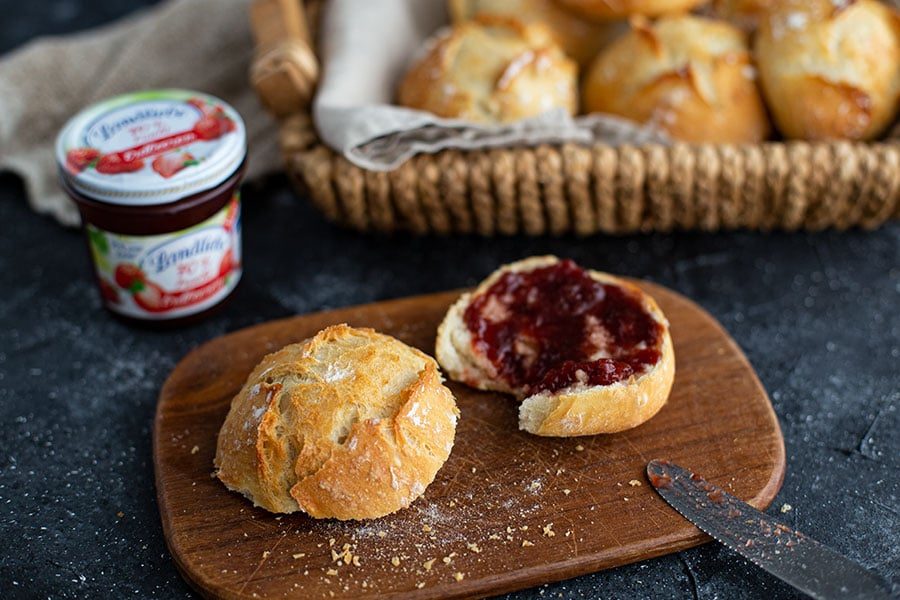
(508, 510)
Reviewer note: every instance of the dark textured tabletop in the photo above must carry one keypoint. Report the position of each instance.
(818, 315)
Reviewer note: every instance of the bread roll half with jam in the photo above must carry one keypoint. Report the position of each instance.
(350, 424)
(585, 351)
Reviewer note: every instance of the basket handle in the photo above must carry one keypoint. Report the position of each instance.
(284, 71)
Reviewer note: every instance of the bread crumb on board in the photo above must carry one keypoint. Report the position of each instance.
(786, 507)
(548, 530)
(395, 560)
(458, 576)
(428, 564)
(634, 483)
(526, 543)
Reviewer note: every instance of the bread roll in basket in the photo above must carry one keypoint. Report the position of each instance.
(553, 189)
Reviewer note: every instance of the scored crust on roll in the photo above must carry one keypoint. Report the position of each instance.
(349, 424)
(586, 352)
(688, 76)
(578, 36)
(491, 69)
(830, 70)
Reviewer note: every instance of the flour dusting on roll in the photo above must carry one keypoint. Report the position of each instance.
(688, 76)
(350, 424)
(491, 69)
(830, 70)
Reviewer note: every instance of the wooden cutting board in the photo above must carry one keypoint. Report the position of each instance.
(508, 510)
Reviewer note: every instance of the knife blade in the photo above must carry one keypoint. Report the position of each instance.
(772, 545)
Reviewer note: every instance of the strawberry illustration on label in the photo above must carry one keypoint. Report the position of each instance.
(227, 125)
(112, 164)
(130, 277)
(108, 291)
(214, 123)
(150, 297)
(208, 128)
(171, 163)
(79, 159)
(200, 103)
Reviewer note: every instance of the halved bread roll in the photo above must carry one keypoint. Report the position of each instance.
(586, 352)
(350, 424)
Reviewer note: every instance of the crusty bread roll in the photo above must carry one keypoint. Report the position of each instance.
(491, 69)
(689, 76)
(587, 352)
(350, 424)
(620, 9)
(579, 37)
(830, 70)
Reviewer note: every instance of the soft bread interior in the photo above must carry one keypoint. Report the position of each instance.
(534, 410)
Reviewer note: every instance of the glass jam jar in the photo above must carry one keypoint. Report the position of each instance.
(156, 176)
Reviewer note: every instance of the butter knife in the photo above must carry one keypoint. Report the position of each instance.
(772, 545)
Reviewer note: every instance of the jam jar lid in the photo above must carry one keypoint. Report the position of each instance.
(151, 147)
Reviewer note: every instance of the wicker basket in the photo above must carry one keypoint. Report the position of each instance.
(557, 189)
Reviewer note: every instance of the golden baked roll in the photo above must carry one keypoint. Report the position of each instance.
(586, 352)
(579, 37)
(689, 76)
(746, 14)
(830, 70)
(491, 70)
(620, 9)
(350, 424)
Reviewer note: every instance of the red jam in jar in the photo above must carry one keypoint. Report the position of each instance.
(155, 175)
(556, 326)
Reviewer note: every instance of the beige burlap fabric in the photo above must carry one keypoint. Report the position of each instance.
(201, 45)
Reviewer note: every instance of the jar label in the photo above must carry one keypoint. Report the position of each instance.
(170, 275)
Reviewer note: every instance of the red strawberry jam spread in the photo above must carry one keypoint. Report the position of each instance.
(155, 175)
(553, 327)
